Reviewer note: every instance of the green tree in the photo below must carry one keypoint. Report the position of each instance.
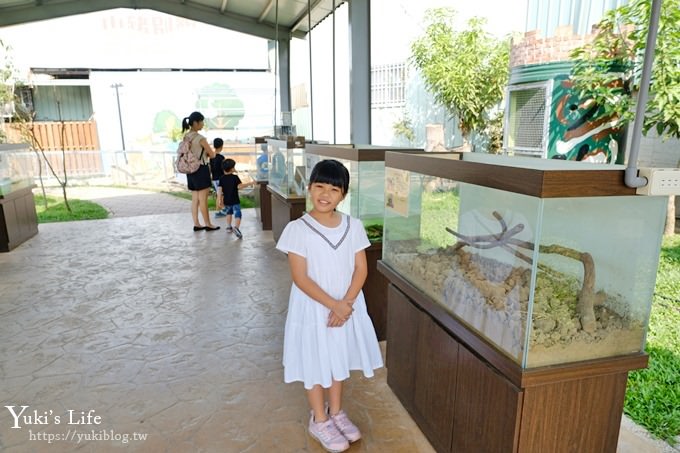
(466, 71)
(608, 70)
(6, 84)
(22, 120)
(404, 128)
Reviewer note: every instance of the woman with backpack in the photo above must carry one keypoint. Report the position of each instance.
(200, 181)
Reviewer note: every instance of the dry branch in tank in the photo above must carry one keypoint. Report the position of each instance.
(506, 240)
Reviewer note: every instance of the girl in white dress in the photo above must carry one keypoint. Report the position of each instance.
(328, 330)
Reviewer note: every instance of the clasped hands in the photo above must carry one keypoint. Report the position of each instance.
(340, 313)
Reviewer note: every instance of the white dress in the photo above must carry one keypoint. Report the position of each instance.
(312, 352)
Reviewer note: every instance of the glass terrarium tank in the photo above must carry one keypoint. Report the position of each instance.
(551, 262)
(16, 167)
(366, 165)
(261, 159)
(287, 166)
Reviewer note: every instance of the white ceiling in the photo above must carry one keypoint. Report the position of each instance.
(254, 17)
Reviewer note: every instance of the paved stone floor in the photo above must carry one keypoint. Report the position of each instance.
(164, 332)
(169, 334)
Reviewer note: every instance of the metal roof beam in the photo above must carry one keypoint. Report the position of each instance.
(266, 10)
(24, 14)
(302, 19)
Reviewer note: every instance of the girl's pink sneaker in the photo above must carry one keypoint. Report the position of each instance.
(328, 435)
(346, 427)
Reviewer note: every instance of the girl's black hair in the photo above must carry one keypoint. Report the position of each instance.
(195, 117)
(332, 172)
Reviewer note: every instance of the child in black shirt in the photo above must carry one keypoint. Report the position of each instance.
(216, 169)
(227, 196)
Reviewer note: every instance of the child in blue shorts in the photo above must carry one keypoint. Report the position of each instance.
(227, 196)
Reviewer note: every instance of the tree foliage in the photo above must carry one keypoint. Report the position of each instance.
(466, 71)
(6, 84)
(404, 128)
(609, 69)
(22, 120)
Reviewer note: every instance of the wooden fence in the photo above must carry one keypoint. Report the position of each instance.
(77, 138)
(56, 136)
(142, 168)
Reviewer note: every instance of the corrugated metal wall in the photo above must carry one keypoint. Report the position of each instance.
(547, 15)
(57, 103)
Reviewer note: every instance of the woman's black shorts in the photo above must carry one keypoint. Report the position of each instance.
(200, 179)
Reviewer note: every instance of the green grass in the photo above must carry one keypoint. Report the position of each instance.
(653, 394)
(440, 209)
(246, 201)
(56, 210)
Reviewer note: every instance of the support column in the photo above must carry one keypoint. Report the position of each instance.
(360, 71)
(284, 75)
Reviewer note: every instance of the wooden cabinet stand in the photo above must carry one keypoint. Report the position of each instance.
(284, 209)
(263, 205)
(375, 291)
(18, 219)
(466, 396)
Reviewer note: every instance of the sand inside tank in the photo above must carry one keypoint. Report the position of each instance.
(493, 298)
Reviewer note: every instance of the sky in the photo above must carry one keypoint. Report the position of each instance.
(396, 23)
(123, 38)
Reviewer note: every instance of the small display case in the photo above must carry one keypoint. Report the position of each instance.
(18, 217)
(287, 181)
(251, 165)
(16, 167)
(263, 198)
(366, 165)
(286, 170)
(262, 159)
(550, 262)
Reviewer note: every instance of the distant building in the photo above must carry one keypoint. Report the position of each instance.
(544, 117)
(133, 81)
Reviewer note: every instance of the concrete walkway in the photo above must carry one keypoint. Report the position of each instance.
(169, 334)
